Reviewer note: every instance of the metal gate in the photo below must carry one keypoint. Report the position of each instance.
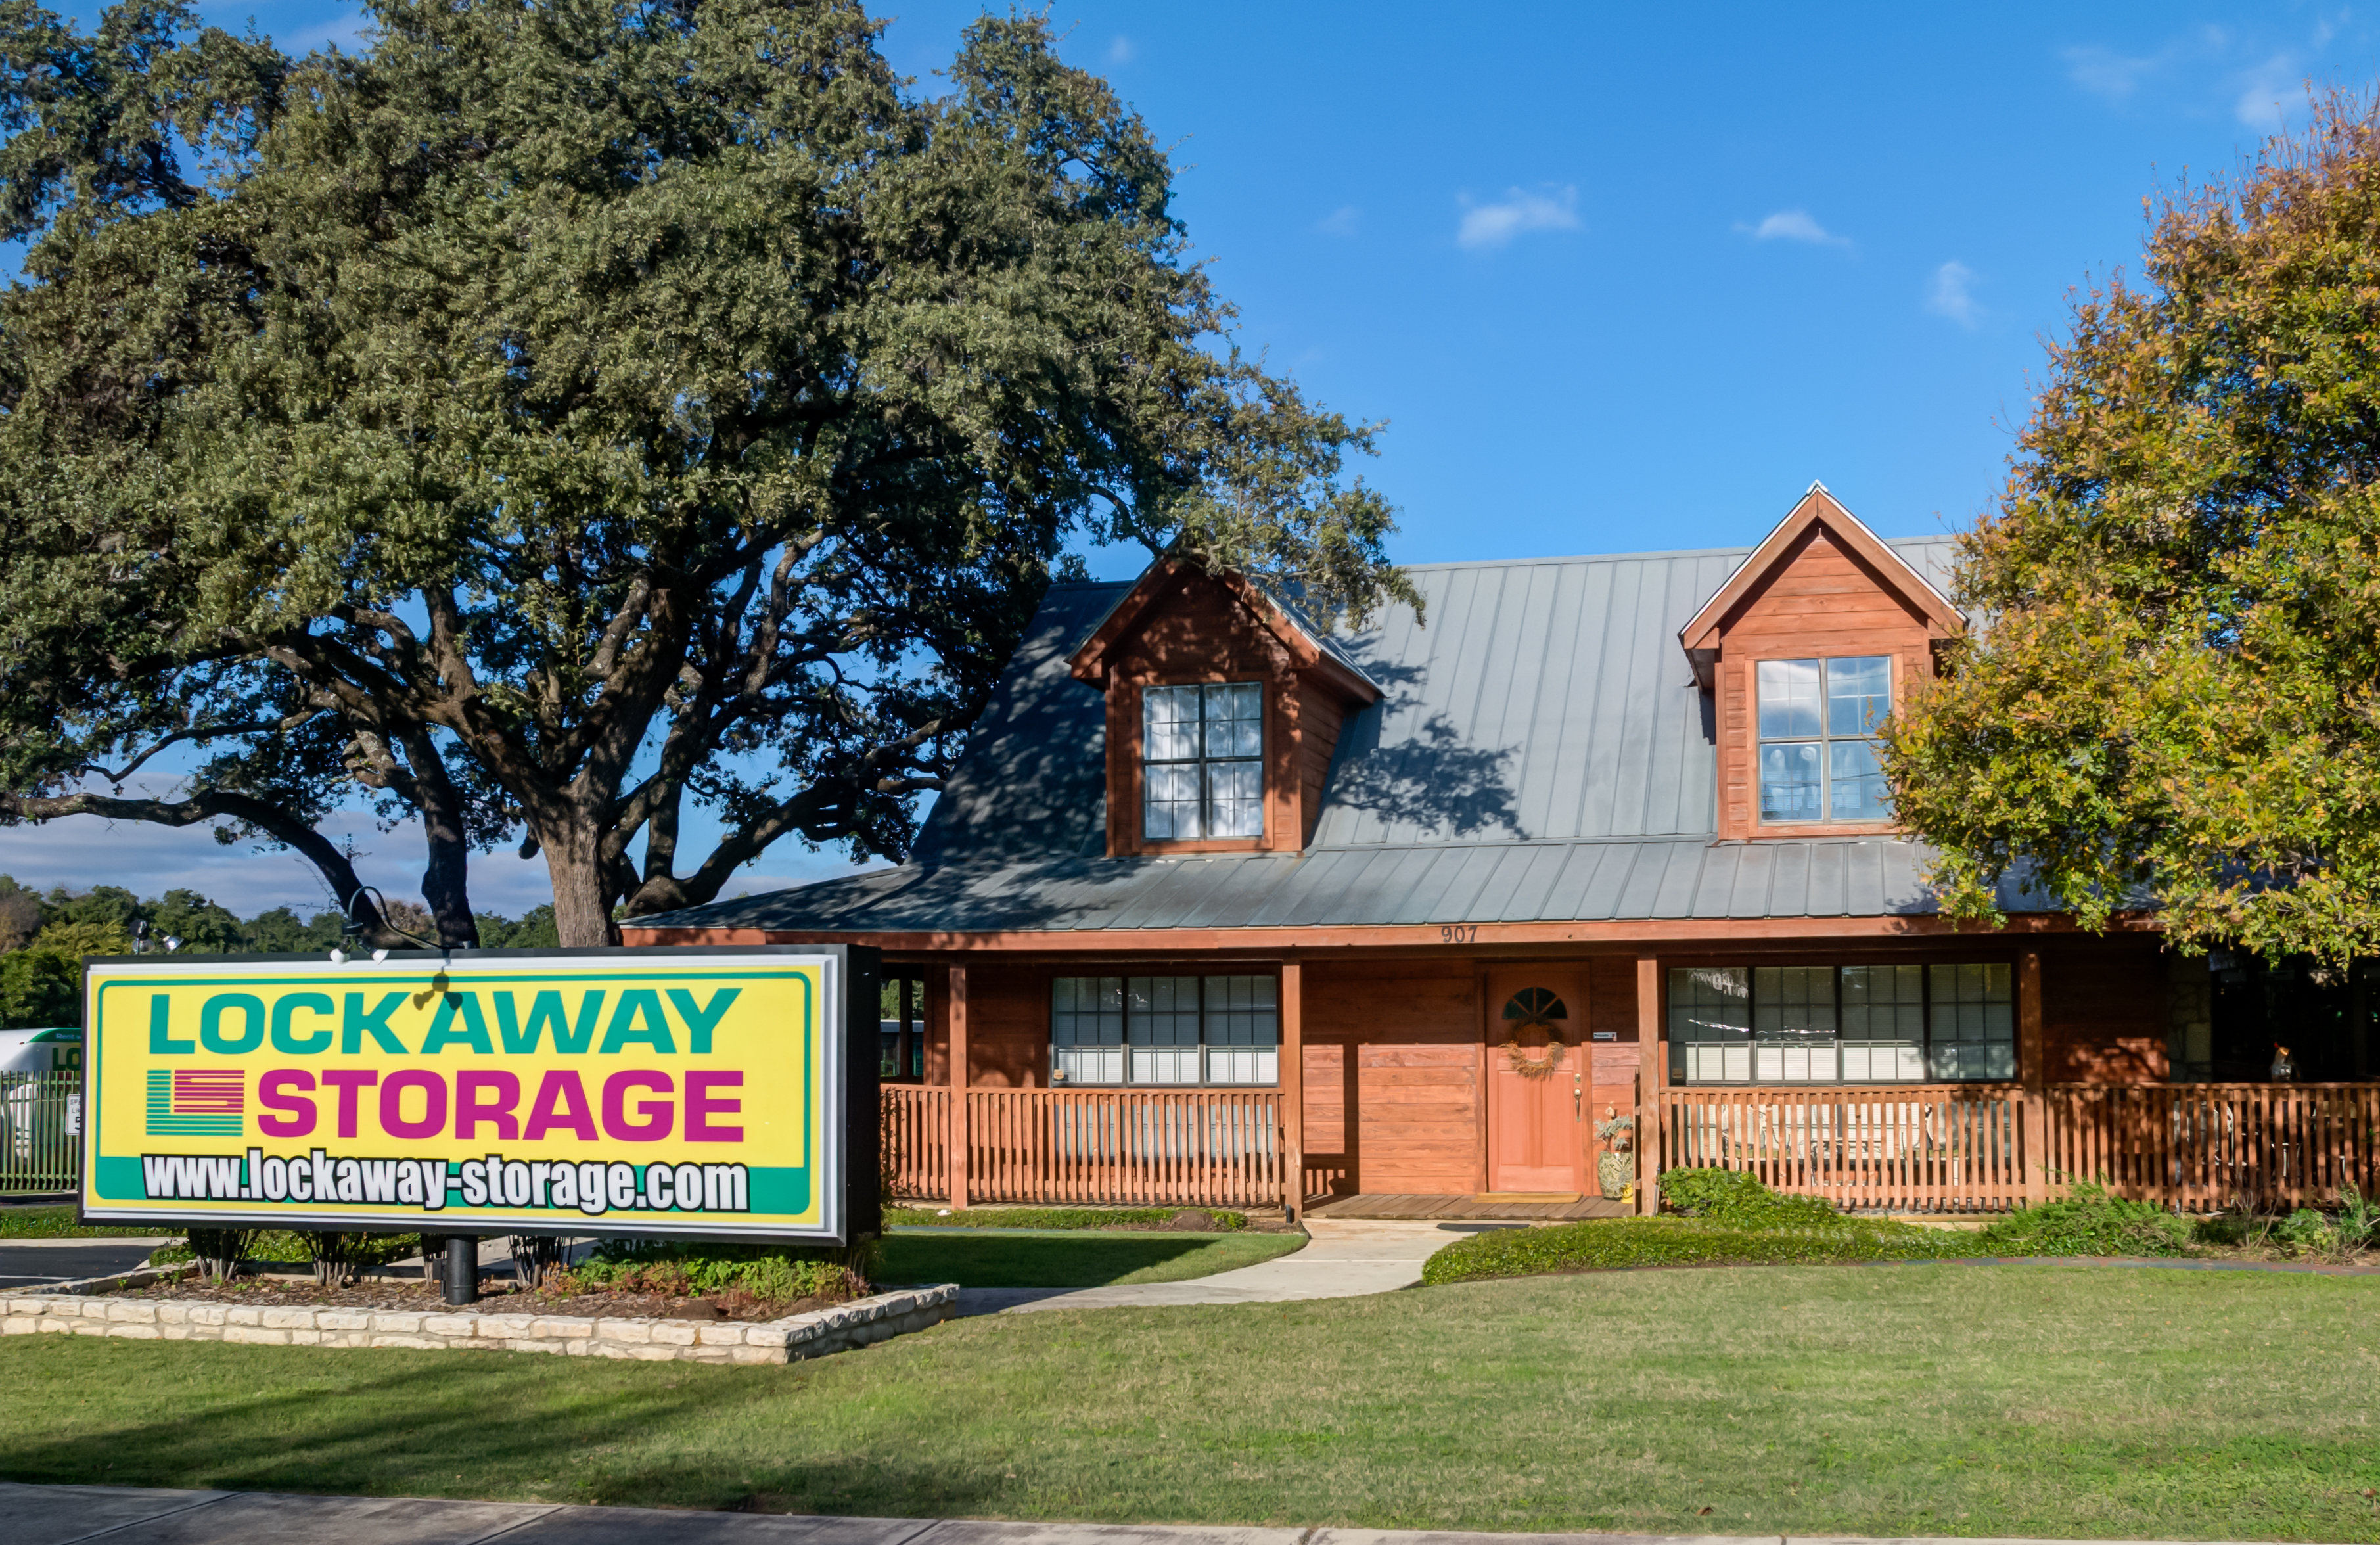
(40, 1131)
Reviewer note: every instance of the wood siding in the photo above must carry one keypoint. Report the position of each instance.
(1201, 631)
(1820, 599)
(1405, 1085)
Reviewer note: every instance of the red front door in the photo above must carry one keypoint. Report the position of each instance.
(1537, 1067)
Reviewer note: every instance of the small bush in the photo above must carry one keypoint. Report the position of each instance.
(767, 1272)
(1199, 1219)
(1736, 1199)
(2088, 1222)
(1613, 1243)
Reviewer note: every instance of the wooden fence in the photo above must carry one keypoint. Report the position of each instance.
(1968, 1148)
(2205, 1146)
(1149, 1147)
(1937, 1147)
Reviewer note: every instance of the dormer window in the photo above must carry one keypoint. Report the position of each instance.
(1202, 756)
(1818, 720)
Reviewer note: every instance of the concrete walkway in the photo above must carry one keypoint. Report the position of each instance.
(1343, 1257)
(71, 1514)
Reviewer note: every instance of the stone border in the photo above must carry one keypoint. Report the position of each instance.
(817, 1333)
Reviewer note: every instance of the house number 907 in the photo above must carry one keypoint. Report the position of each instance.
(1459, 933)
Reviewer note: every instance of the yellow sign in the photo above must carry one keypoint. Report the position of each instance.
(660, 1092)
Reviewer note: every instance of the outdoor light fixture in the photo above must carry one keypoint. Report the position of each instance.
(172, 943)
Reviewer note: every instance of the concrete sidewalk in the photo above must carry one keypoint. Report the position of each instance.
(70, 1515)
(1343, 1257)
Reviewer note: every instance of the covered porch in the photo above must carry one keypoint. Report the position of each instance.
(1355, 1093)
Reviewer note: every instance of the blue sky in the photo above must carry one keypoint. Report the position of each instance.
(1619, 278)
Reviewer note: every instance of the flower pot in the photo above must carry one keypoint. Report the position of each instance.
(1616, 1172)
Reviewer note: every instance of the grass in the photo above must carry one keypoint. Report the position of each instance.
(1052, 1217)
(58, 1223)
(1921, 1399)
(1062, 1258)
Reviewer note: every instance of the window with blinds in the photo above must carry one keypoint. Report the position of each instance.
(1842, 1024)
(1192, 1032)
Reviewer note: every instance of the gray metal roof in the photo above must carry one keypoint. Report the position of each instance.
(1540, 752)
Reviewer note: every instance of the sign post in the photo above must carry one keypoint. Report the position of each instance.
(700, 1093)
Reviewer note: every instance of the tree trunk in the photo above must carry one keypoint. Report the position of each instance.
(582, 913)
(446, 883)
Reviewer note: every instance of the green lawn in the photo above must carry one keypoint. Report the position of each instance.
(1070, 1258)
(1879, 1400)
(58, 1223)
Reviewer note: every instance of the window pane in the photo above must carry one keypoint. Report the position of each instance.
(1713, 1007)
(1789, 698)
(1086, 1031)
(1169, 720)
(1855, 788)
(1235, 721)
(1858, 694)
(1164, 1067)
(1235, 799)
(1972, 1021)
(1794, 1003)
(1242, 1010)
(1161, 1011)
(1788, 782)
(1243, 1064)
(1170, 807)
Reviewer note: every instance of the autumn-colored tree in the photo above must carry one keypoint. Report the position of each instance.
(2173, 698)
(556, 418)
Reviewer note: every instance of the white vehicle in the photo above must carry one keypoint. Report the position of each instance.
(57, 1050)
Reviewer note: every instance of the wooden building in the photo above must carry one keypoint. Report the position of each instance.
(1225, 906)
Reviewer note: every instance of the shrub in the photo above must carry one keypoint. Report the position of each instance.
(1736, 1199)
(1613, 1243)
(2088, 1222)
(768, 1273)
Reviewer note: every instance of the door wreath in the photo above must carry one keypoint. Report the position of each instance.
(1535, 1008)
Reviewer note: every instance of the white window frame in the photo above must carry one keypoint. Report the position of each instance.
(1194, 782)
(1789, 1026)
(1189, 1031)
(1822, 740)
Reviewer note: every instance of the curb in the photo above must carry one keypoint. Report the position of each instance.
(814, 1333)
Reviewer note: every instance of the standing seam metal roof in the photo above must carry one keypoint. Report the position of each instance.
(1540, 752)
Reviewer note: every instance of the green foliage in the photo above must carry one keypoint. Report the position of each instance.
(2174, 701)
(1607, 1245)
(535, 931)
(40, 988)
(1736, 1199)
(771, 1274)
(2088, 1222)
(540, 386)
(1220, 1219)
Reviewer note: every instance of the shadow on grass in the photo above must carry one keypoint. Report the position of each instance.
(498, 1427)
(1010, 1260)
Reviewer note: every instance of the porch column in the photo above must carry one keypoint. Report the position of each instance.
(1293, 1088)
(958, 1012)
(2031, 1073)
(903, 1054)
(1652, 1073)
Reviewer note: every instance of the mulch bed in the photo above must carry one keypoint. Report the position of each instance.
(494, 1299)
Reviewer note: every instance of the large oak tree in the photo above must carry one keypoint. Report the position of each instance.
(2174, 700)
(559, 415)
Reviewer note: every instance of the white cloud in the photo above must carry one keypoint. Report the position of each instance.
(1793, 225)
(1951, 295)
(1487, 226)
(1343, 221)
(2114, 77)
(2261, 102)
(1122, 52)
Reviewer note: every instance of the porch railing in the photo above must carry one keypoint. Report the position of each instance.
(1149, 1147)
(1938, 1148)
(2206, 1146)
(39, 1130)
